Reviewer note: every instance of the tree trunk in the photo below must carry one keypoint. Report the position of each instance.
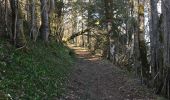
(44, 29)
(142, 45)
(33, 21)
(20, 38)
(108, 15)
(14, 8)
(166, 21)
(6, 17)
(156, 50)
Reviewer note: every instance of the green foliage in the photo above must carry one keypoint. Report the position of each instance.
(34, 73)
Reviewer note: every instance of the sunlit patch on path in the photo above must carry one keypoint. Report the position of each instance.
(97, 79)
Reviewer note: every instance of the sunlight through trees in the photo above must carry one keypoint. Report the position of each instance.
(133, 34)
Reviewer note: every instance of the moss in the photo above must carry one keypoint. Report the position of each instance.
(141, 9)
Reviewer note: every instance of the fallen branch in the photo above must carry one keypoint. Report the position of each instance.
(78, 34)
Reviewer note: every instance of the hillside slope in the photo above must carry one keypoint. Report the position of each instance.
(38, 71)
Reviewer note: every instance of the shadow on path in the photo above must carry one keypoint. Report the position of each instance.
(97, 79)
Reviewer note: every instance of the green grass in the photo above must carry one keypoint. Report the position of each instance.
(36, 73)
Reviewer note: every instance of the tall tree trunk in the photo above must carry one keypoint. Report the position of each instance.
(156, 54)
(142, 45)
(166, 21)
(59, 28)
(6, 16)
(44, 29)
(14, 8)
(33, 23)
(108, 15)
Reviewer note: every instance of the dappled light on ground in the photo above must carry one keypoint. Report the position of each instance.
(97, 79)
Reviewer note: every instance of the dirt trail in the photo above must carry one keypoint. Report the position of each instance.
(97, 79)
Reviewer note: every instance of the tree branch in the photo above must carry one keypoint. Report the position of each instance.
(77, 34)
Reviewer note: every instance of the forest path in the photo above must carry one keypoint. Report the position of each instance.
(97, 79)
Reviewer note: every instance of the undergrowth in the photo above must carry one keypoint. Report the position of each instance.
(37, 72)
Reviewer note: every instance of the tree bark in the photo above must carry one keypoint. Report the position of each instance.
(108, 15)
(33, 21)
(156, 54)
(44, 29)
(142, 45)
(166, 64)
(78, 34)
(14, 8)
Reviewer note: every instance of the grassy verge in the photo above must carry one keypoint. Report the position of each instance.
(38, 72)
